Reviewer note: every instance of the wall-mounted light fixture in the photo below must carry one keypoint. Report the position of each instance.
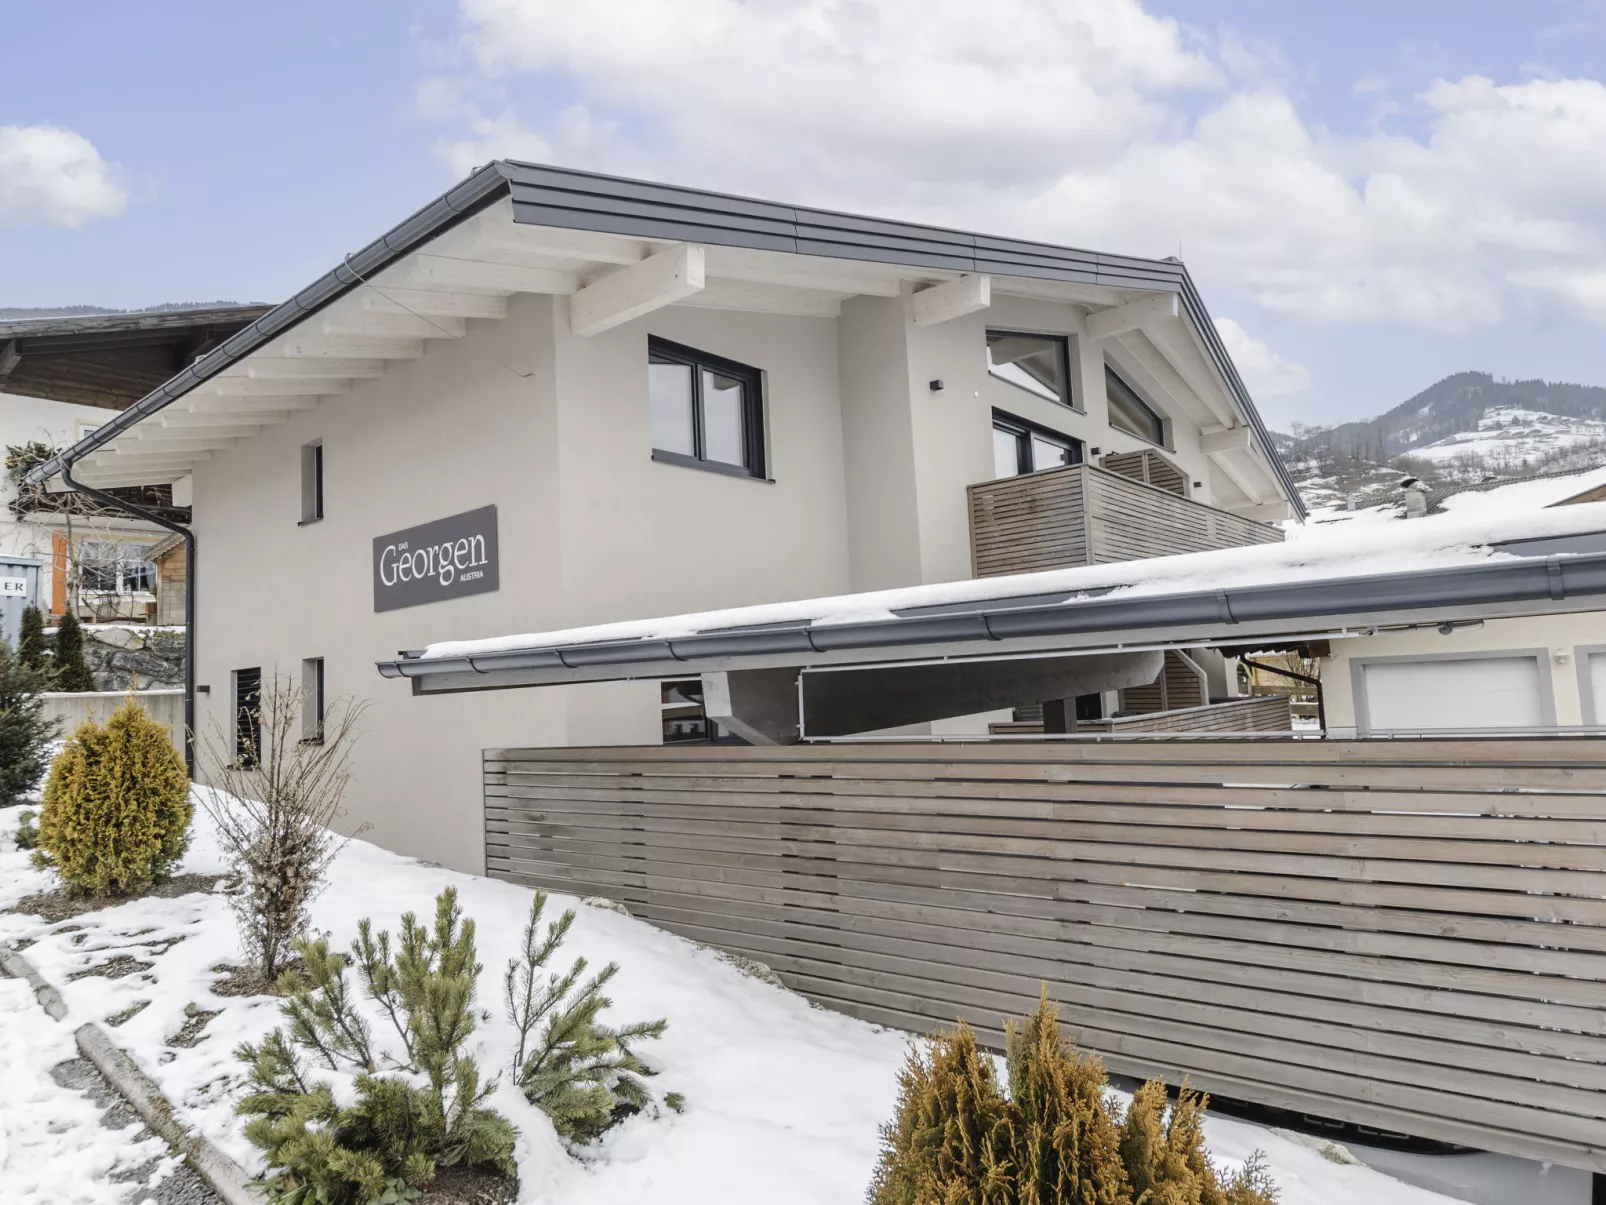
(936, 385)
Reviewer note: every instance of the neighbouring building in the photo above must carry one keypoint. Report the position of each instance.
(551, 399)
(61, 378)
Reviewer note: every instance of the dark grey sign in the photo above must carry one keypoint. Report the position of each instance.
(449, 558)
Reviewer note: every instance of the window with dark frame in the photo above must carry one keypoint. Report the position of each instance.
(1039, 364)
(248, 717)
(312, 705)
(685, 718)
(707, 411)
(1130, 413)
(1023, 447)
(312, 481)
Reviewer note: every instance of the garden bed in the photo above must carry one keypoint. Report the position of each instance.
(782, 1100)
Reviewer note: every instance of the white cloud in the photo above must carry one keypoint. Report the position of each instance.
(1089, 121)
(1266, 373)
(54, 177)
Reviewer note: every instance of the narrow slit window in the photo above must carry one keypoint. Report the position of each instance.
(312, 700)
(312, 481)
(248, 717)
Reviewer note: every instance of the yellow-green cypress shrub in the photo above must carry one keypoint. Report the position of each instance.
(1165, 1155)
(949, 1142)
(117, 809)
(1065, 1147)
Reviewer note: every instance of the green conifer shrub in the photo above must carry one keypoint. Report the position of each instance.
(117, 806)
(71, 670)
(31, 650)
(27, 830)
(25, 731)
(957, 1139)
(390, 1143)
(578, 1071)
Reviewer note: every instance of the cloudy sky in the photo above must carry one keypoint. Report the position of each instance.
(1370, 194)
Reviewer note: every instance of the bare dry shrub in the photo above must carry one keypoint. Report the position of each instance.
(286, 793)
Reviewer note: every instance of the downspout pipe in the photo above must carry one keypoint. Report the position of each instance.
(188, 536)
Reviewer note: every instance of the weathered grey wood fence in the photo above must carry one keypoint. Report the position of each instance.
(1404, 934)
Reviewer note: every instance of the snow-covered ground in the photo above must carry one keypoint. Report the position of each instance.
(1497, 502)
(1509, 437)
(783, 1099)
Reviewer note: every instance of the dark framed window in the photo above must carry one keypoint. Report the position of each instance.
(1130, 413)
(707, 411)
(312, 705)
(1039, 364)
(312, 481)
(1023, 447)
(248, 717)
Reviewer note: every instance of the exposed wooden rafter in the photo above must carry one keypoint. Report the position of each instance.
(663, 279)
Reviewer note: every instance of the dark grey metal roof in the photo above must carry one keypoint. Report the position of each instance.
(553, 196)
(1535, 580)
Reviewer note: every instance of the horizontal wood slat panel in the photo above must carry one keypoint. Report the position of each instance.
(1409, 935)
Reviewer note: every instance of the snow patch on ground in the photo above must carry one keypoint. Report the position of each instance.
(783, 1099)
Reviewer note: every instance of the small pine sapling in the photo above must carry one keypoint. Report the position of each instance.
(31, 650)
(389, 1143)
(579, 1072)
(27, 830)
(25, 730)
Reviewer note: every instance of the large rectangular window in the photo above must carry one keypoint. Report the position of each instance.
(1130, 413)
(106, 567)
(312, 704)
(312, 481)
(1039, 364)
(1023, 447)
(707, 411)
(248, 717)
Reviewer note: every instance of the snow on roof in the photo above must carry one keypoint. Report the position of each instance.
(1531, 495)
(1335, 552)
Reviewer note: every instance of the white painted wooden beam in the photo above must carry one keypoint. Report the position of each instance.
(800, 272)
(180, 443)
(765, 299)
(275, 368)
(953, 299)
(399, 300)
(150, 434)
(355, 321)
(1257, 486)
(1134, 315)
(477, 276)
(1177, 346)
(1234, 439)
(255, 387)
(123, 477)
(197, 402)
(663, 279)
(174, 419)
(349, 347)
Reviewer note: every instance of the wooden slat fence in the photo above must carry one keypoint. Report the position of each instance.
(1409, 935)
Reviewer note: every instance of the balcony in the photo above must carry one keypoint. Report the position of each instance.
(1130, 509)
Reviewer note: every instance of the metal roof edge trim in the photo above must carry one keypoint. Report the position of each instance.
(1545, 579)
(457, 203)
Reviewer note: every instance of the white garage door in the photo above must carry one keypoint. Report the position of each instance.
(1479, 692)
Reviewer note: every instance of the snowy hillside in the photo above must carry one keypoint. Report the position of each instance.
(1510, 440)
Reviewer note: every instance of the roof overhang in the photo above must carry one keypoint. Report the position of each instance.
(620, 248)
(1016, 624)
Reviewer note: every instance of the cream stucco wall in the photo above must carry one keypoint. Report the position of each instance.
(1562, 635)
(867, 466)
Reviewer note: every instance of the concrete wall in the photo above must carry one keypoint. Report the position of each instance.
(555, 431)
(165, 706)
(1563, 635)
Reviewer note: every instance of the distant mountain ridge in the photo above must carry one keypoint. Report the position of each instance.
(1468, 427)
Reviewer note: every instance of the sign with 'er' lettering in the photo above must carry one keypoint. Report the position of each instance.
(13, 587)
(449, 558)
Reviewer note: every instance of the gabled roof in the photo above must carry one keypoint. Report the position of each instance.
(560, 200)
(110, 360)
(1424, 571)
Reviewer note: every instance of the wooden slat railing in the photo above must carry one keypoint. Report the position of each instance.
(1403, 934)
(1082, 515)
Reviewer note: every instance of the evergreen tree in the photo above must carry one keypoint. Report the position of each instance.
(25, 732)
(31, 640)
(72, 671)
(117, 806)
(578, 1071)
